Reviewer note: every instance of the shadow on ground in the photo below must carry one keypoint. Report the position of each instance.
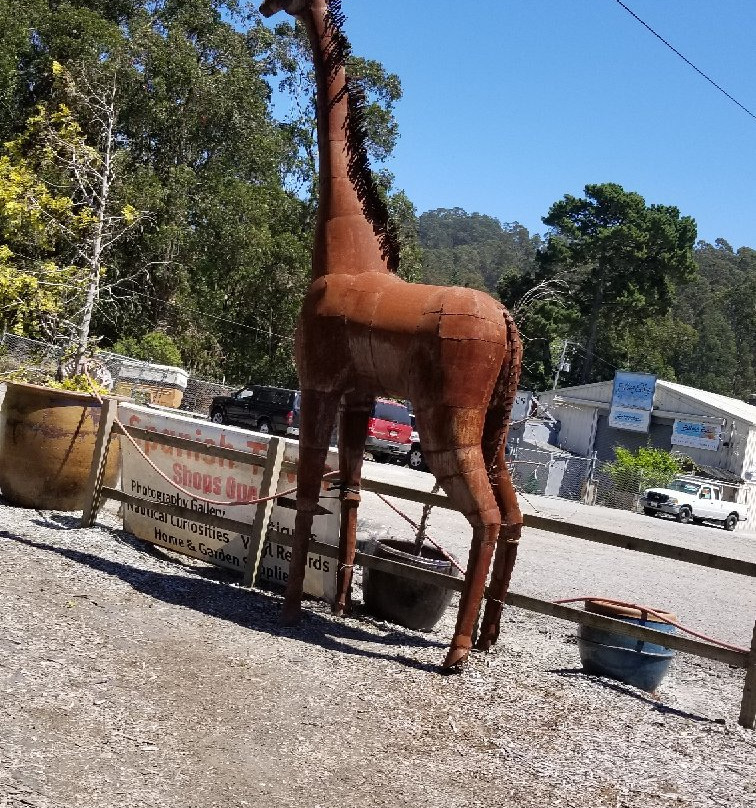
(216, 592)
(633, 692)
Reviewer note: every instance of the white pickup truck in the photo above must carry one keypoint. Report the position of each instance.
(693, 499)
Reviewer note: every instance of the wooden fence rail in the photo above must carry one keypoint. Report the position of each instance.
(273, 464)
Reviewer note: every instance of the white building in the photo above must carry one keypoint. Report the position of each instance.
(731, 456)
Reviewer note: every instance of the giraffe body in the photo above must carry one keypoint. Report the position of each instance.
(384, 336)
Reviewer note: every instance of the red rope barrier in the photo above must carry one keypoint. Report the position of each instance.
(661, 617)
(190, 494)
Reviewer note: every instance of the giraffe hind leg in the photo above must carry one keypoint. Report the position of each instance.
(506, 554)
(494, 451)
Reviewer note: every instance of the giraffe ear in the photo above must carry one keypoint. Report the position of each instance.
(294, 7)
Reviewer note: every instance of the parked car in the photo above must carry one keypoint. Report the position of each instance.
(415, 458)
(693, 499)
(263, 409)
(389, 431)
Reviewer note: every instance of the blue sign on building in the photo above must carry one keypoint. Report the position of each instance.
(632, 401)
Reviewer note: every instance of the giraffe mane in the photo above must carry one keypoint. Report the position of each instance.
(358, 164)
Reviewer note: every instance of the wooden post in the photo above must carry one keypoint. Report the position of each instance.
(268, 486)
(96, 472)
(748, 705)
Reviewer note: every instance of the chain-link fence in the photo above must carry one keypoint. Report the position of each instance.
(199, 394)
(21, 352)
(558, 474)
(144, 382)
(620, 488)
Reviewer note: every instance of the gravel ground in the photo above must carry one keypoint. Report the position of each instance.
(130, 676)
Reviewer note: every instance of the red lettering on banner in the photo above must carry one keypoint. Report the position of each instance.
(226, 445)
(239, 491)
(209, 460)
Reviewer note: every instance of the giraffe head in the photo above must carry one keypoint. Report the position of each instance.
(293, 7)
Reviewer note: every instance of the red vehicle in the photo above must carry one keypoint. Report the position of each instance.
(389, 431)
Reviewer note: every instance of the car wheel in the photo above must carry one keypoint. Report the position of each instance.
(218, 417)
(685, 515)
(415, 460)
(263, 425)
(650, 511)
(731, 522)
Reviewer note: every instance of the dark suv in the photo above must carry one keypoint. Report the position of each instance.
(264, 409)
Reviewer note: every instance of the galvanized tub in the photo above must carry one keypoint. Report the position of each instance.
(635, 662)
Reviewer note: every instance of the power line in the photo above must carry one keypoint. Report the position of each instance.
(686, 60)
(264, 331)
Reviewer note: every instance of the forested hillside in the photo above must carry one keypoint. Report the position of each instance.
(157, 195)
(694, 323)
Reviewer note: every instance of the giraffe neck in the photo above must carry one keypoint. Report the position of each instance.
(346, 240)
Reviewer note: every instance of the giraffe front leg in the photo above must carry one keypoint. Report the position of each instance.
(317, 415)
(461, 472)
(354, 426)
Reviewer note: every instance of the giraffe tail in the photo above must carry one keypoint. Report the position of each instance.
(499, 412)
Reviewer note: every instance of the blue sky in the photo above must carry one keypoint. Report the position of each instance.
(510, 104)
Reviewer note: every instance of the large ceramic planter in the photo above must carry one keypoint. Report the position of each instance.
(47, 440)
(635, 662)
(414, 604)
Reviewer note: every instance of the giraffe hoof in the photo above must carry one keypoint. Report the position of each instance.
(486, 641)
(289, 616)
(455, 660)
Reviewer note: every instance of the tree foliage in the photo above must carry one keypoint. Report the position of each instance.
(222, 262)
(472, 249)
(621, 262)
(154, 347)
(624, 258)
(214, 135)
(644, 468)
(34, 271)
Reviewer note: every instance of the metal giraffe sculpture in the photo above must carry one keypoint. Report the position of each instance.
(454, 353)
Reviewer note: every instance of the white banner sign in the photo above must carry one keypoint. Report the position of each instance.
(219, 480)
(632, 401)
(696, 435)
(630, 419)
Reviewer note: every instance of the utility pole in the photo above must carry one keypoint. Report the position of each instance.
(560, 364)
